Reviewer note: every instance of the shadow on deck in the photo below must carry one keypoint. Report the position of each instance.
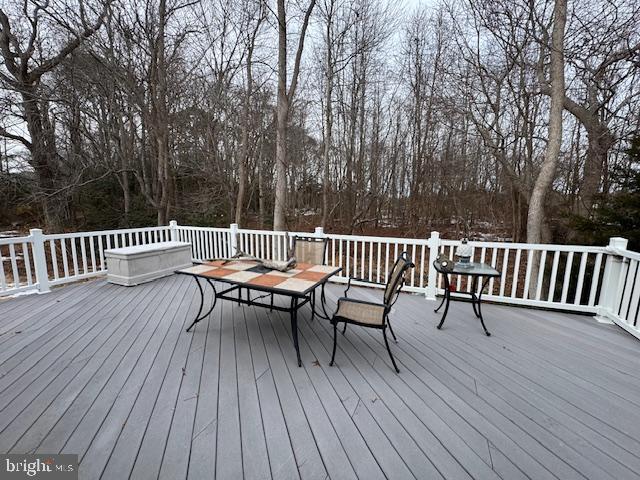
(109, 373)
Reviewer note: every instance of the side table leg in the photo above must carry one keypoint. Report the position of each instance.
(447, 300)
(444, 297)
(479, 309)
(474, 297)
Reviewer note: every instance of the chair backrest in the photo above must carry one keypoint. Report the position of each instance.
(309, 250)
(397, 278)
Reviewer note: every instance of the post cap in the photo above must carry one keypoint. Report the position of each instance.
(618, 243)
(319, 231)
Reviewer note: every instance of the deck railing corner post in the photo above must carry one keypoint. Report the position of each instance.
(319, 233)
(434, 246)
(233, 232)
(39, 260)
(612, 273)
(173, 226)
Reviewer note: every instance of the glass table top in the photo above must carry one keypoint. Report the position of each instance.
(471, 268)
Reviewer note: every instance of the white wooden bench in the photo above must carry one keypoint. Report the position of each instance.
(134, 265)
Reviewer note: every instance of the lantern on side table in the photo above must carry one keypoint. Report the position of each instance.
(464, 252)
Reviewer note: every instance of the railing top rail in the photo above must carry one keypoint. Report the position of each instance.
(370, 238)
(337, 236)
(14, 240)
(119, 231)
(208, 229)
(529, 246)
(628, 254)
(270, 232)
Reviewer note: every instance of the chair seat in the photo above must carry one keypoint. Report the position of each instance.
(361, 312)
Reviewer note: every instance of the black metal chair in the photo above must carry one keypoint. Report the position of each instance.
(311, 250)
(372, 314)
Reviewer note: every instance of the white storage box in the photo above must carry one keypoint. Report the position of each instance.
(134, 265)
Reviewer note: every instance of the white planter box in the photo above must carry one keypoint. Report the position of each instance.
(134, 265)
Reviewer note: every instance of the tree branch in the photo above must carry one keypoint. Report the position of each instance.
(52, 62)
(296, 65)
(4, 133)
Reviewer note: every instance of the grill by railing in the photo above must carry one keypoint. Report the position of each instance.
(600, 280)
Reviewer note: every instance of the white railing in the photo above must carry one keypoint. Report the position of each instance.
(76, 256)
(370, 258)
(565, 277)
(38, 261)
(619, 302)
(600, 280)
(205, 242)
(16, 267)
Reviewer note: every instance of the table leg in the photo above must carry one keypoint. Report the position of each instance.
(294, 327)
(484, 284)
(215, 298)
(447, 300)
(313, 304)
(323, 301)
(474, 297)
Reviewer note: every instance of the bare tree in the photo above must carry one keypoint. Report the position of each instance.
(604, 43)
(25, 65)
(257, 17)
(547, 173)
(285, 97)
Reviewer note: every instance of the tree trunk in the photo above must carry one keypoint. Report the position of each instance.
(600, 142)
(246, 126)
(282, 114)
(328, 127)
(283, 103)
(536, 216)
(43, 155)
(161, 122)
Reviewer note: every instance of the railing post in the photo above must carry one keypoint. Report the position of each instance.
(233, 228)
(432, 280)
(39, 260)
(609, 291)
(319, 232)
(173, 225)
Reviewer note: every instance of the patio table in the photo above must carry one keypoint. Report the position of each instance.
(298, 284)
(476, 271)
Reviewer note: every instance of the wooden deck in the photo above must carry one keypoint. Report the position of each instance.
(109, 373)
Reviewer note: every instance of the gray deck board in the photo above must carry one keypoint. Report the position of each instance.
(520, 394)
(282, 459)
(256, 465)
(307, 455)
(109, 373)
(96, 387)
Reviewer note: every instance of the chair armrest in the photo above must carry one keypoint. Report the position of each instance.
(360, 280)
